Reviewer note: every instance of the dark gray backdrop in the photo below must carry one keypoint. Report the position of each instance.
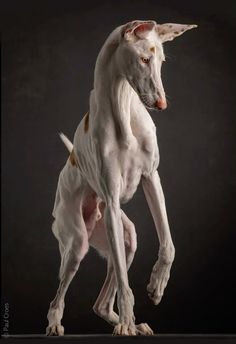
(48, 57)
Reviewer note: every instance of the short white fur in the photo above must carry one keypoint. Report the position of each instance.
(115, 148)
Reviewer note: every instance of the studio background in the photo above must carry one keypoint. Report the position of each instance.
(48, 57)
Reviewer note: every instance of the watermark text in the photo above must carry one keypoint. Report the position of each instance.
(6, 319)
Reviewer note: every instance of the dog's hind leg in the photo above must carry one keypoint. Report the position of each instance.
(73, 250)
(103, 306)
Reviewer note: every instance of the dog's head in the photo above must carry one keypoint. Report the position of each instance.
(141, 56)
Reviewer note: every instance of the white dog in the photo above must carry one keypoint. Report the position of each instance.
(114, 148)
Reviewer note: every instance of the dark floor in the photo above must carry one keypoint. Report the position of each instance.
(105, 339)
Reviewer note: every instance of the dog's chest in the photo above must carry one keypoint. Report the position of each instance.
(141, 158)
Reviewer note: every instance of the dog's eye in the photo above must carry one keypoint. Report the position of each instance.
(145, 60)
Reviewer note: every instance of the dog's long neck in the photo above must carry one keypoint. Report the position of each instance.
(113, 94)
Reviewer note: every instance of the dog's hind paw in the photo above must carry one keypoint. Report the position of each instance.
(55, 330)
(144, 329)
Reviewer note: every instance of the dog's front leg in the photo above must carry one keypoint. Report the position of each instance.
(161, 270)
(125, 297)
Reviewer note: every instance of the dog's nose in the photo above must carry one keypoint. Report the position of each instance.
(161, 104)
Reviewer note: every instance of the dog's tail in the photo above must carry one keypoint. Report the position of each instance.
(66, 141)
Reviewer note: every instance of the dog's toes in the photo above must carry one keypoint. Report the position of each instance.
(124, 330)
(132, 330)
(144, 329)
(55, 330)
(154, 293)
(117, 330)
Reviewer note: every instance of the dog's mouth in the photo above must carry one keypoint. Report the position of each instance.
(146, 102)
(143, 97)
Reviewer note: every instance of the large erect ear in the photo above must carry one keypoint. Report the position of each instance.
(167, 32)
(137, 29)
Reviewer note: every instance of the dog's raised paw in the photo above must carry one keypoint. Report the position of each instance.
(158, 281)
(55, 330)
(154, 294)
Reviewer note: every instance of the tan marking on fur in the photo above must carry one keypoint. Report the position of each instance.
(152, 49)
(86, 122)
(73, 159)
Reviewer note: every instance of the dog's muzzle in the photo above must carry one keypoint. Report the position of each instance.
(160, 104)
